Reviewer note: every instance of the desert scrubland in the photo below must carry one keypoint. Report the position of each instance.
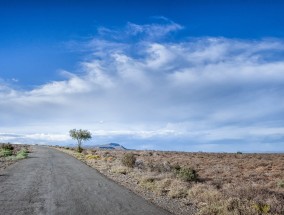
(196, 183)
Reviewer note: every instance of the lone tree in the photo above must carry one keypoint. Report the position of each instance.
(80, 135)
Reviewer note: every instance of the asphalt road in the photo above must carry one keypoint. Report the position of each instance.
(51, 182)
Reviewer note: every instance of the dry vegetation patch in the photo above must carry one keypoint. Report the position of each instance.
(10, 153)
(212, 183)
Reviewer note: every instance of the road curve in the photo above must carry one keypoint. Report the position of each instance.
(51, 182)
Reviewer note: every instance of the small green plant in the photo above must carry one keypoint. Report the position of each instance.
(22, 154)
(262, 208)
(239, 153)
(186, 174)
(90, 157)
(280, 184)
(5, 152)
(128, 160)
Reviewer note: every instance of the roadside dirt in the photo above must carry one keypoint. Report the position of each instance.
(5, 163)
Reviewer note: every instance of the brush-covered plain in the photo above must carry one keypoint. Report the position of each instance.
(197, 183)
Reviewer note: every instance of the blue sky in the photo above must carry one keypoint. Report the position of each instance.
(170, 75)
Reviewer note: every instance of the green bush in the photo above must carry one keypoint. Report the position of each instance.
(5, 152)
(280, 184)
(22, 154)
(176, 167)
(186, 174)
(128, 160)
(262, 208)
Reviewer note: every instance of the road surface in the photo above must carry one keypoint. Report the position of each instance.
(51, 182)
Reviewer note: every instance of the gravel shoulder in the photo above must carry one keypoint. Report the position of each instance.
(52, 182)
(4, 163)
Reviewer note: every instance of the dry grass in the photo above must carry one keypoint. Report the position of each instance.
(119, 169)
(10, 153)
(249, 184)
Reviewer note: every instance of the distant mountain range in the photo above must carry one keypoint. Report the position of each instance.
(114, 146)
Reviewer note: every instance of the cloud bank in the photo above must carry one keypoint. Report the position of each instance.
(141, 88)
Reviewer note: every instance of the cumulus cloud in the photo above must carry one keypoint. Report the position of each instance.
(195, 93)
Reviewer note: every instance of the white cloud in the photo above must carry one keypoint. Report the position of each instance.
(202, 89)
(33, 138)
(154, 31)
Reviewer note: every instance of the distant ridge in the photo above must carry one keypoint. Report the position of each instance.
(113, 146)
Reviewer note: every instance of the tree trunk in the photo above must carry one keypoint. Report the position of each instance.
(79, 148)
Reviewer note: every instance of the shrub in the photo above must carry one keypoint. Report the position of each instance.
(186, 174)
(79, 156)
(119, 169)
(5, 152)
(110, 159)
(163, 186)
(90, 156)
(22, 154)
(262, 208)
(280, 184)
(176, 167)
(7, 146)
(178, 189)
(139, 164)
(106, 154)
(128, 160)
(148, 183)
(203, 193)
